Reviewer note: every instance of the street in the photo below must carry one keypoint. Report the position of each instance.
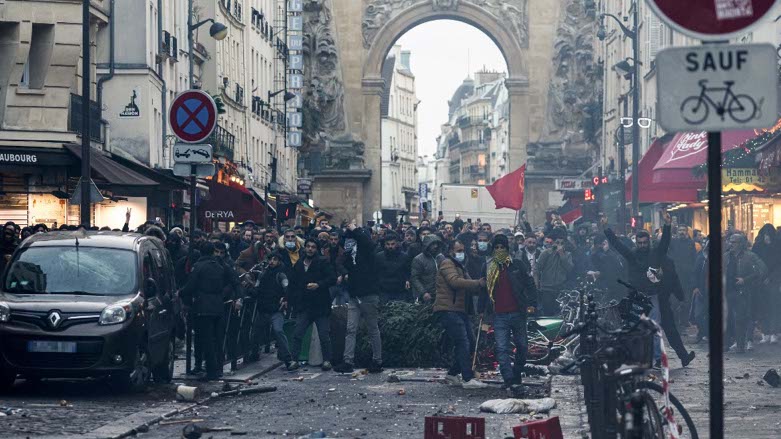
(365, 405)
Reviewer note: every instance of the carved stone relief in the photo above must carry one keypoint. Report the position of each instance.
(344, 153)
(511, 13)
(323, 110)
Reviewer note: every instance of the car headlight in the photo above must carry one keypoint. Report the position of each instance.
(114, 314)
(5, 312)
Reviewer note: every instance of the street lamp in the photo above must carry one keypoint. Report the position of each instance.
(218, 31)
(288, 95)
(634, 72)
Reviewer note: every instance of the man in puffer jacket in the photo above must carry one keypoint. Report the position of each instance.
(423, 277)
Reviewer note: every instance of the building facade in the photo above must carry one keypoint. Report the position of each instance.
(399, 136)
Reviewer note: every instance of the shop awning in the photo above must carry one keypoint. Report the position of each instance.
(165, 178)
(688, 150)
(112, 172)
(231, 203)
(653, 192)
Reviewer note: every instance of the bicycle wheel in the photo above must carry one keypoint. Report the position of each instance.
(692, 429)
(742, 108)
(694, 110)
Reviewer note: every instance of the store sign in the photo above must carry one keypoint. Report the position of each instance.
(747, 177)
(219, 214)
(572, 184)
(295, 77)
(131, 109)
(689, 144)
(304, 186)
(18, 158)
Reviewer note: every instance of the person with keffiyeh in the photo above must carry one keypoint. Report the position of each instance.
(510, 294)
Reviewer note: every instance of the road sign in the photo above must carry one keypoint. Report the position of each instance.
(201, 170)
(192, 153)
(423, 190)
(193, 116)
(711, 20)
(717, 87)
(304, 186)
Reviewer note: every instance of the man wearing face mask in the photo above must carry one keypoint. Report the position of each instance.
(509, 295)
(745, 273)
(271, 301)
(311, 278)
(423, 273)
(364, 303)
(292, 248)
(393, 268)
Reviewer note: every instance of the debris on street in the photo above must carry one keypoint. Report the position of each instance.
(771, 377)
(503, 406)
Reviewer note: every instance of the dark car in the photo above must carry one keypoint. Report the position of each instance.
(79, 304)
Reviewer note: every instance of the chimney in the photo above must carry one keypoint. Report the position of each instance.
(405, 54)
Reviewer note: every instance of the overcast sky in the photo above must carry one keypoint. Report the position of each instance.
(443, 53)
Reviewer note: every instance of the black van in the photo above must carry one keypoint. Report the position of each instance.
(80, 304)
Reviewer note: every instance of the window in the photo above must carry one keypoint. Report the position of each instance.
(41, 45)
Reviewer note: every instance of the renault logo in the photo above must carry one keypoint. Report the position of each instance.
(54, 318)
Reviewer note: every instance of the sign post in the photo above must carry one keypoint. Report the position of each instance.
(193, 117)
(719, 86)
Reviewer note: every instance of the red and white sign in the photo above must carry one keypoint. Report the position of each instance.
(193, 116)
(711, 19)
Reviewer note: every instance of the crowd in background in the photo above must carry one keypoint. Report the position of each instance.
(462, 268)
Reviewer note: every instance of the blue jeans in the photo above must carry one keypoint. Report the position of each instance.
(459, 330)
(510, 327)
(277, 322)
(656, 316)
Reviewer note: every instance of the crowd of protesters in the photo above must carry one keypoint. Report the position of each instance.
(461, 269)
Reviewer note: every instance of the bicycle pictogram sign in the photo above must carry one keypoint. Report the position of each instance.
(740, 108)
(193, 116)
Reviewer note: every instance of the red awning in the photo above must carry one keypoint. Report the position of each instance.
(652, 192)
(688, 150)
(234, 203)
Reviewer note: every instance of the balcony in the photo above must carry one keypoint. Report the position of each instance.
(75, 119)
(223, 142)
(475, 170)
(465, 121)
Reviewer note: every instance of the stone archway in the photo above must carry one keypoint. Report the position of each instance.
(385, 21)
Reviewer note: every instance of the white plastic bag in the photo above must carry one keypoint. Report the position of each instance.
(503, 406)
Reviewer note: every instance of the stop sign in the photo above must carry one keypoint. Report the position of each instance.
(711, 19)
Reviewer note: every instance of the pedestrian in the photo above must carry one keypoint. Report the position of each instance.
(530, 255)
(364, 302)
(453, 285)
(698, 312)
(766, 302)
(411, 246)
(291, 248)
(251, 257)
(745, 276)
(519, 241)
(312, 277)
(553, 269)
(424, 268)
(393, 270)
(205, 292)
(271, 301)
(683, 252)
(458, 223)
(606, 269)
(509, 295)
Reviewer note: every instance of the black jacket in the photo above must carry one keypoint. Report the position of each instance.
(524, 290)
(639, 262)
(392, 272)
(362, 275)
(207, 286)
(610, 268)
(270, 289)
(315, 302)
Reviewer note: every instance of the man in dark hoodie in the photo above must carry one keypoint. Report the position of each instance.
(271, 301)
(653, 274)
(8, 244)
(312, 277)
(393, 270)
(766, 302)
(359, 262)
(423, 273)
(205, 292)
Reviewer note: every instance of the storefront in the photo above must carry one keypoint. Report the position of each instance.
(751, 199)
(229, 203)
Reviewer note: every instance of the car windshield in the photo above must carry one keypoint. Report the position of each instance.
(72, 270)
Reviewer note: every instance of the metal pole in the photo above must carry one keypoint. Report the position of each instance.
(193, 182)
(715, 298)
(86, 67)
(622, 172)
(635, 115)
(190, 60)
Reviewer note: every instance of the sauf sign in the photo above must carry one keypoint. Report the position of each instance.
(717, 87)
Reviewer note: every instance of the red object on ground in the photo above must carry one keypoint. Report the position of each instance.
(711, 19)
(452, 427)
(543, 429)
(508, 190)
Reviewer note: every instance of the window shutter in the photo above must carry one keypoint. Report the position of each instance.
(655, 36)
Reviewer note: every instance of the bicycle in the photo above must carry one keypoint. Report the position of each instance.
(613, 371)
(740, 107)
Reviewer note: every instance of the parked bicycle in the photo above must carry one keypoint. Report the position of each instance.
(740, 108)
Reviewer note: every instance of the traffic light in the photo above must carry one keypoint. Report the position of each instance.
(286, 211)
(636, 222)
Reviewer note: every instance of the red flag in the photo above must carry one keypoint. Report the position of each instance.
(508, 190)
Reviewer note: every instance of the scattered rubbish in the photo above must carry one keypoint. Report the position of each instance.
(50, 405)
(438, 427)
(248, 391)
(214, 394)
(332, 389)
(503, 406)
(187, 393)
(300, 378)
(549, 428)
(8, 411)
(402, 392)
(393, 378)
(238, 433)
(771, 377)
(195, 431)
(180, 421)
(63, 403)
